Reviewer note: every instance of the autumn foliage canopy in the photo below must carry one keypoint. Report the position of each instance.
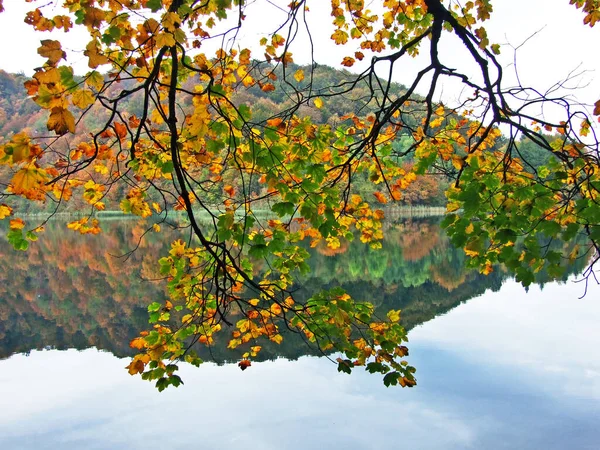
(258, 188)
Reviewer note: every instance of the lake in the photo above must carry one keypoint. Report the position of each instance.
(497, 367)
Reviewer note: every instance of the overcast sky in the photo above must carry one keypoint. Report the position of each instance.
(562, 43)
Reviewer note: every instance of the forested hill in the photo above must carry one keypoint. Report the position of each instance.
(18, 112)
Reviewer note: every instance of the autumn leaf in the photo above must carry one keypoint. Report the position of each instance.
(268, 87)
(348, 61)
(393, 315)
(29, 182)
(165, 39)
(339, 37)
(17, 224)
(52, 50)
(95, 58)
(380, 197)
(275, 122)
(138, 343)
(5, 211)
(82, 98)
(318, 102)
(278, 339)
(299, 75)
(244, 364)
(19, 147)
(61, 121)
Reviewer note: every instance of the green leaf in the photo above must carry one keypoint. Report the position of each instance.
(153, 307)
(154, 5)
(259, 251)
(345, 366)
(167, 167)
(391, 379)
(15, 237)
(283, 209)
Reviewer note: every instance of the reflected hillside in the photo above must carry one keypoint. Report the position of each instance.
(73, 291)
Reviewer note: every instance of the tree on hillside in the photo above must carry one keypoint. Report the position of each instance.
(192, 144)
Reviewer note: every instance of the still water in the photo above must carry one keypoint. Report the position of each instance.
(497, 367)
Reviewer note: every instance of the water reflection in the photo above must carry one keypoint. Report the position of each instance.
(70, 291)
(504, 371)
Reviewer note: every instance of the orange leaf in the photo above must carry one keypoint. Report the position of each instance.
(121, 129)
(138, 343)
(274, 122)
(348, 62)
(380, 197)
(17, 224)
(244, 364)
(230, 190)
(268, 87)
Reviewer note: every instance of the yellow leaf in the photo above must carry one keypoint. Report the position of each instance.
(29, 182)
(177, 248)
(393, 316)
(138, 364)
(299, 75)
(487, 269)
(52, 50)
(452, 206)
(318, 102)
(138, 343)
(61, 121)
(95, 58)
(165, 40)
(339, 37)
(171, 21)
(100, 168)
(19, 145)
(83, 98)
(5, 211)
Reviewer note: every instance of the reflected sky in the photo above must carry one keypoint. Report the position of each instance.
(503, 371)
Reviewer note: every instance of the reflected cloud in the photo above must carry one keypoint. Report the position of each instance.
(549, 334)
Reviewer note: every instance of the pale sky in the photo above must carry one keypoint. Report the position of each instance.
(562, 45)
